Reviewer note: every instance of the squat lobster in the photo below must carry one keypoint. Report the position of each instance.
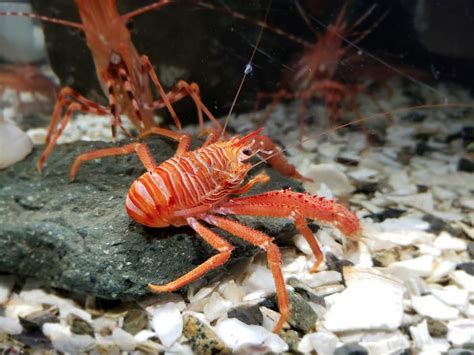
(198, 186)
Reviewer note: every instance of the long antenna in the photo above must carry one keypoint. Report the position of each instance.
(146, 8)
(248, 69)
(43, 18)
(260, 23)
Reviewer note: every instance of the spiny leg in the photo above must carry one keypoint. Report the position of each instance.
(263, 241)
(302, 226)
(183, 89)
(275, 209)
(140, 148)
(65, 98)
(66, 118)
(281, 203)
(146, 64)
(184, 140)
(258, 179)
(212, 263)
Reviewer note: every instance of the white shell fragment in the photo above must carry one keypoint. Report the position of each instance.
(167, 322)
(67, 342)
(371, 301)
(424, 342)
(65, 306)
(10, 326)
(452, 296)
(432, 307)
(461, 331)
(125, 340)
(216, 307)
(463, 279)
(235, 333)
(329, 175)
(421, 266)
(15, 144)
(324, 343)
(260, 278)
(446, 242)
(385, 342)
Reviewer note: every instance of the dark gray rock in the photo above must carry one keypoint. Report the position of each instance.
(34, 321)
(467, 267)
(302, 316)
(351, 349)
(247, 314)
(77, 236)
(470, 249)
(306, 291)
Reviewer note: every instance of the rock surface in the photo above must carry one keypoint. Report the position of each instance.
(78, 237)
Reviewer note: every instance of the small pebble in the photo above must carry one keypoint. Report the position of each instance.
(34, 321)
(135, 320)
(467, 267)
(470, 250)
(302, 316)
(292, 338)
(202, 338)
(247, 314)
(466, 165)
(351, 349)
(80, 326)
(437, 328)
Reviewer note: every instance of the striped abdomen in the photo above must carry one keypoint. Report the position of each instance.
(183, 186)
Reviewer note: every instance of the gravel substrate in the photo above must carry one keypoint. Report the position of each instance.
(406, 287)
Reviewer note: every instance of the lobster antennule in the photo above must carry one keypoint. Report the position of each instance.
(249, 136)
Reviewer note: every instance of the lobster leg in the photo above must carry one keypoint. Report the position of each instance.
(283, 203)
(66, 97)
(259, 179)
(147, 67)
(297, 206)
(140, 148)
(183, 89)
(212, 263)
(264, 242)
(184, 140)
(72, 107)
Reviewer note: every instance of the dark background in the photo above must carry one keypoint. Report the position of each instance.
(427, 40)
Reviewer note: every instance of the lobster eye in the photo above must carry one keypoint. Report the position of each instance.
(247, 152)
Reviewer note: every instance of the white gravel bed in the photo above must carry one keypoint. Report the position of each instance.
(408, 284)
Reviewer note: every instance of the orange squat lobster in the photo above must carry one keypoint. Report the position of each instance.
(198, 186)
(122, 73)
